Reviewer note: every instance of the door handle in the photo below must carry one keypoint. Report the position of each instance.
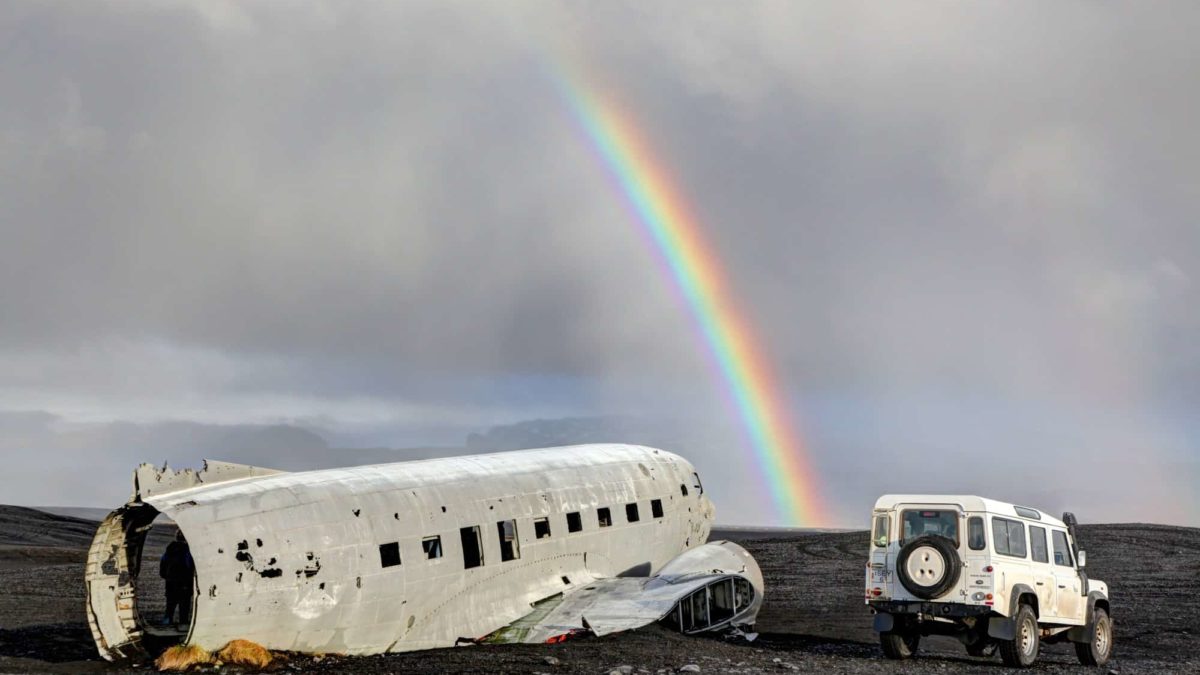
(1043, 584)
(1061, 586)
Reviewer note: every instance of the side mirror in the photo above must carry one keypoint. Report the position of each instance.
(1082, 559)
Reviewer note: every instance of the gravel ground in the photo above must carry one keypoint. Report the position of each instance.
(813, 619)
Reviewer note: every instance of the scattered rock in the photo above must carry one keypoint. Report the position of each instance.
(689, 668)
(550, 661)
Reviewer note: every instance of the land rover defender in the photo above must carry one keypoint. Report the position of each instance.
(994, 575)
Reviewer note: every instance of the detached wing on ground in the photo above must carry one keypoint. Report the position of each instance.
(713, 587)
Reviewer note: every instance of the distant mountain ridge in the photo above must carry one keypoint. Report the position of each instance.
(104, 455)
(546, 433)
(94, 514)
(24, 526)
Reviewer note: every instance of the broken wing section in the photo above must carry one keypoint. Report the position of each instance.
(713, 587)
(149, 481)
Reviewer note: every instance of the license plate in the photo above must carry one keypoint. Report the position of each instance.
(879, 576)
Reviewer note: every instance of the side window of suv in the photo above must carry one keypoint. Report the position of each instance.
(1009, 537)
(1037, 543)
(976, 537)
(1062, 550)
(879, 533)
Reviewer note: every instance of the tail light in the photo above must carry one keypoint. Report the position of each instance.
(876, 592)
(988, 568)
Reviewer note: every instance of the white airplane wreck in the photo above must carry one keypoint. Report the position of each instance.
(527, 546)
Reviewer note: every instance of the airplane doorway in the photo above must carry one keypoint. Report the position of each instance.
(125, 595)
(151, 587)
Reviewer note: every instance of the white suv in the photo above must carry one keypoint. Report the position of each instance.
(991, 574)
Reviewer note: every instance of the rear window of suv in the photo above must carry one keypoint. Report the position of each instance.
(920, 522)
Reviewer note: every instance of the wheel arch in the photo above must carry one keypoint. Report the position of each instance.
(1097, 600)
(1022, 594)
(1085, 632)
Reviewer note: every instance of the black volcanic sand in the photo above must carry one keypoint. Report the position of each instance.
(813, 618)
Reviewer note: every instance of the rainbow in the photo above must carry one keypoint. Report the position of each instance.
(679, 240)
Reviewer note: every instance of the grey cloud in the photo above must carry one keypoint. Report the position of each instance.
(347, 199)
(380, 220)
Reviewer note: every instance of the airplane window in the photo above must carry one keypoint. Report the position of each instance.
(672, 620)
(574, 522)
(697, 484)
(699, 602)
(656, 508)
(721, 594)
(711, 605)
(432, 547)
(389, 554)
(541, 528)
(510, 548)
(683, 489)
(472, 546)
(603, 515)
(631, 512)
(743, 593)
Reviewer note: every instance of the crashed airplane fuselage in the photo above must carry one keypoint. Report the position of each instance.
(520, 546)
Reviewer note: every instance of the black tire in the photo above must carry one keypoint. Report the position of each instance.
(1022, 650)
(899, 645)
(1097, 651)
(944, 555)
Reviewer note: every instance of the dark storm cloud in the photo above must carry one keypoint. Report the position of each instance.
(364, 219)
(382, 192)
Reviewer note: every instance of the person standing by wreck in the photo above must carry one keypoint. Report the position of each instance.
(177, 569)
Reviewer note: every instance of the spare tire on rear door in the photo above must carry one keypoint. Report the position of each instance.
(928, 566)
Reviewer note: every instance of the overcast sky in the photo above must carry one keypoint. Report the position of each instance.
(966, 233)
